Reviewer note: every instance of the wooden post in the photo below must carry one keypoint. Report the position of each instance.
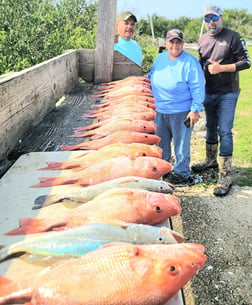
(105, 41)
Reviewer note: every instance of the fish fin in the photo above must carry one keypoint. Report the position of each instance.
(71, 204)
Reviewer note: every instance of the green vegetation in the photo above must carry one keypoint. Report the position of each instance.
(32, 31)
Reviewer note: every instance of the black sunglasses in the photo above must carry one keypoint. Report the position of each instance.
(213, 18)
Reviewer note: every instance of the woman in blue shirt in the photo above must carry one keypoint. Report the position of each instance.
(177, 83)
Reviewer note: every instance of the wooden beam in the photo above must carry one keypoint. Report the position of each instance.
(105, 41)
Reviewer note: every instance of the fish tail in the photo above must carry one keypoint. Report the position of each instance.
(97, 136)
(80, 128)
(77, 134)
(45, 200)
(92, 126)
(7, 288)
(97, 95)
(89, 115)
(29, 226)
(53, 181)
(52, 166)
(70, 147)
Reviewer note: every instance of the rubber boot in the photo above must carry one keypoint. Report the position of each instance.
(224, 182)
(210, 161)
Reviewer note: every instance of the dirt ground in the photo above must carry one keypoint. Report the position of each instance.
(223, 226)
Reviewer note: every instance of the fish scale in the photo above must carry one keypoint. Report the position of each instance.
(80, 240)
(114, 274)
(113, 205)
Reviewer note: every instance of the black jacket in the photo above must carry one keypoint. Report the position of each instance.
(227, 47)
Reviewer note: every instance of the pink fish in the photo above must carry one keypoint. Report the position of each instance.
(145, 115)
(125, 90)
(115, 125)
(129, 98)
(120, 136)
(131, 150)
(114, 274)
(146, 167)
(117, 111)
(115, 205)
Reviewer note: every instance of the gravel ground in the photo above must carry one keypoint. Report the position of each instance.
(223, 226)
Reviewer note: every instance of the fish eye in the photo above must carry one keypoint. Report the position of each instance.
(154, 169)
(160, 240)
(173, 269)
(144, 154)
(158, 209)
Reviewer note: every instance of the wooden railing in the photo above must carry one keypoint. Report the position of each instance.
(27, 96)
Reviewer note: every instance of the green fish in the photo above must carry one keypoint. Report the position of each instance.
(83, 194)
(80, 240)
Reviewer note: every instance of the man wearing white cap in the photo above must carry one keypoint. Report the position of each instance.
(222, 54)
(125, 29)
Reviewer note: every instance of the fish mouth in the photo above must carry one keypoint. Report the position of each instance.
(195, 247)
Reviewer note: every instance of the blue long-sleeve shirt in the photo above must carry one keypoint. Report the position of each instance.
(177, 85)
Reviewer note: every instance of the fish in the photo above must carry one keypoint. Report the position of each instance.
(147, 167)
(138, 85)
(83, 194)
(117, 111)
(131, 150)
(125, 82)
(114, 205)
(129, 98)
(130, 79)
(145, 115)
(78, 241)
(118, 103)
(125, 90)
(114, 274)
(120, 136)
(115, 125)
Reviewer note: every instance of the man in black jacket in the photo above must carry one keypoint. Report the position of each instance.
(222, 54)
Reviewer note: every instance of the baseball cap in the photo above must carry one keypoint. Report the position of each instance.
(174, 33)
(125, 16)
(212, 9)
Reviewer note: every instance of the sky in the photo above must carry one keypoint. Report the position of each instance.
(173, 9)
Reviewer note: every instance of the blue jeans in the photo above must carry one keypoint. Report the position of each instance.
(220, 111)
(170, 127)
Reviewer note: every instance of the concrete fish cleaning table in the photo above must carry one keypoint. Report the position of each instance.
(17, 199)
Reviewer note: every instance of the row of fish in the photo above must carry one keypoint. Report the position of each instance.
(105, 228)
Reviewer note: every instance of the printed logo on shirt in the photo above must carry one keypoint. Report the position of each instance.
(223, 44)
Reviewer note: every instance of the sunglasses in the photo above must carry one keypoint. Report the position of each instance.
(213, 18)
